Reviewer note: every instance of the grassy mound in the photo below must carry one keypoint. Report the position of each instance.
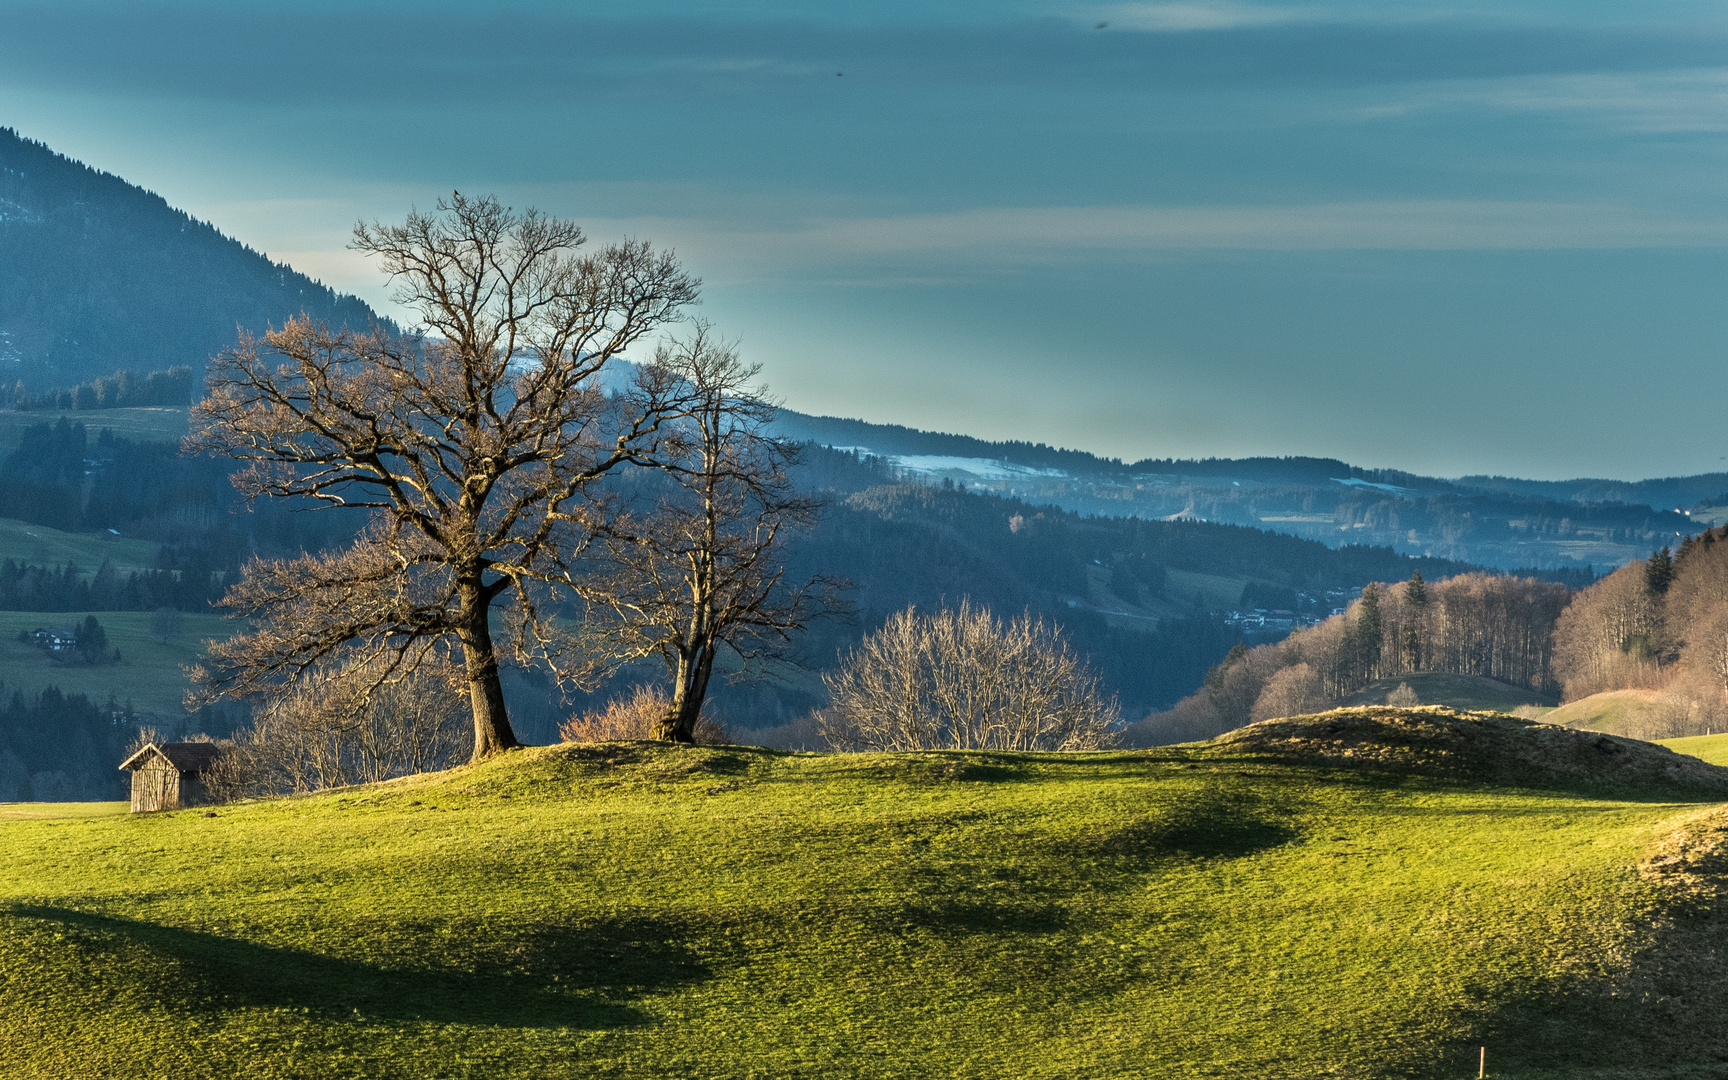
(1480, 748)
(624, 910)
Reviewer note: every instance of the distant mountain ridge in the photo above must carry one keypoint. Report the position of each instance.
(1666, 493)
(98, 274)
(1492, 521)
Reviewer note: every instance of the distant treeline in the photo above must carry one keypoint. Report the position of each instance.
(117, 391)
(39, 588)
(61, 747)
(1660, 625)
(1493, 625)
(60, 477)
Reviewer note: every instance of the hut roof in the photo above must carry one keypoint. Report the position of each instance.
(188, 757)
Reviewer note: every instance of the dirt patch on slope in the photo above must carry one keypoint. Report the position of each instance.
(1480, 747)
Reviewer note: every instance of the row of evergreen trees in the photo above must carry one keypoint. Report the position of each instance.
(59, 747)
(123, 389)
(26, 587)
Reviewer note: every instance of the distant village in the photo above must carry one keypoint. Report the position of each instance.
(1311, 608)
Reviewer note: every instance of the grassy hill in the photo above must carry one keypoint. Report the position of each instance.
(1467, 692)
(142, 423)
(27, 543)
(1280, 903)
(1614, 711)
(149, 673)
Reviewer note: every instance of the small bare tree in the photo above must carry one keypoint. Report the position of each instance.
(696, 563)
(1293, 691)
(166, 623)
(1403, 697)
(963, 680)
(471, 446)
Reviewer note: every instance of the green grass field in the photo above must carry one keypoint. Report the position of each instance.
(629, 910)
(1711, 748)
(1216, 593)
(39, 545)
(149, 673)
(148, 423)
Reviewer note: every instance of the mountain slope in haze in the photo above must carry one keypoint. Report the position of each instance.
(97, 274)
(1504, 524)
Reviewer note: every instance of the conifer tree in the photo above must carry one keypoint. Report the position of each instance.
(1416, 608)
(1659, 572)
(1367, 633)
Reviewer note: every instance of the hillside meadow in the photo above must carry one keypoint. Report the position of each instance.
(1239, 908)
(149, 673)
(27, 543)
(142, 423)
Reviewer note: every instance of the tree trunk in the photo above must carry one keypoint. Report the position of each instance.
(689, 691)
(492, 731)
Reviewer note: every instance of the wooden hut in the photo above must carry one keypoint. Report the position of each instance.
(167, 776)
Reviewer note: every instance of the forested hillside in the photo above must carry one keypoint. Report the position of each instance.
(1659, 626)
(1493, 626)
(97, 275)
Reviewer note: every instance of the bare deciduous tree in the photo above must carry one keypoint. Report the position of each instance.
(1293, 691)
(963, 680)
(166, 623)
(471, 446)
(696, 563)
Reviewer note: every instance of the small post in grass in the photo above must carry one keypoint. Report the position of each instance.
(1482, 1064)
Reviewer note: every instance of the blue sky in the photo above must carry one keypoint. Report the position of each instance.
(1448, 238)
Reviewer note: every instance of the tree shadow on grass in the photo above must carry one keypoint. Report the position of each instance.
(951, 916)
(580, 975)
(1214, 822)
(1663, 1015)
(1655, 1004)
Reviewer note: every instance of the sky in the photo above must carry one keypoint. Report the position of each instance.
(1449, 238)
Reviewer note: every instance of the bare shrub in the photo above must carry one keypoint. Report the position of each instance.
(340, 727)
(963, 679)
(635, 715)
(1403, 697)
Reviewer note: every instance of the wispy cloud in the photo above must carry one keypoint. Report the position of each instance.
(1218, 15)
(1672, 101)
(1022, 236)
